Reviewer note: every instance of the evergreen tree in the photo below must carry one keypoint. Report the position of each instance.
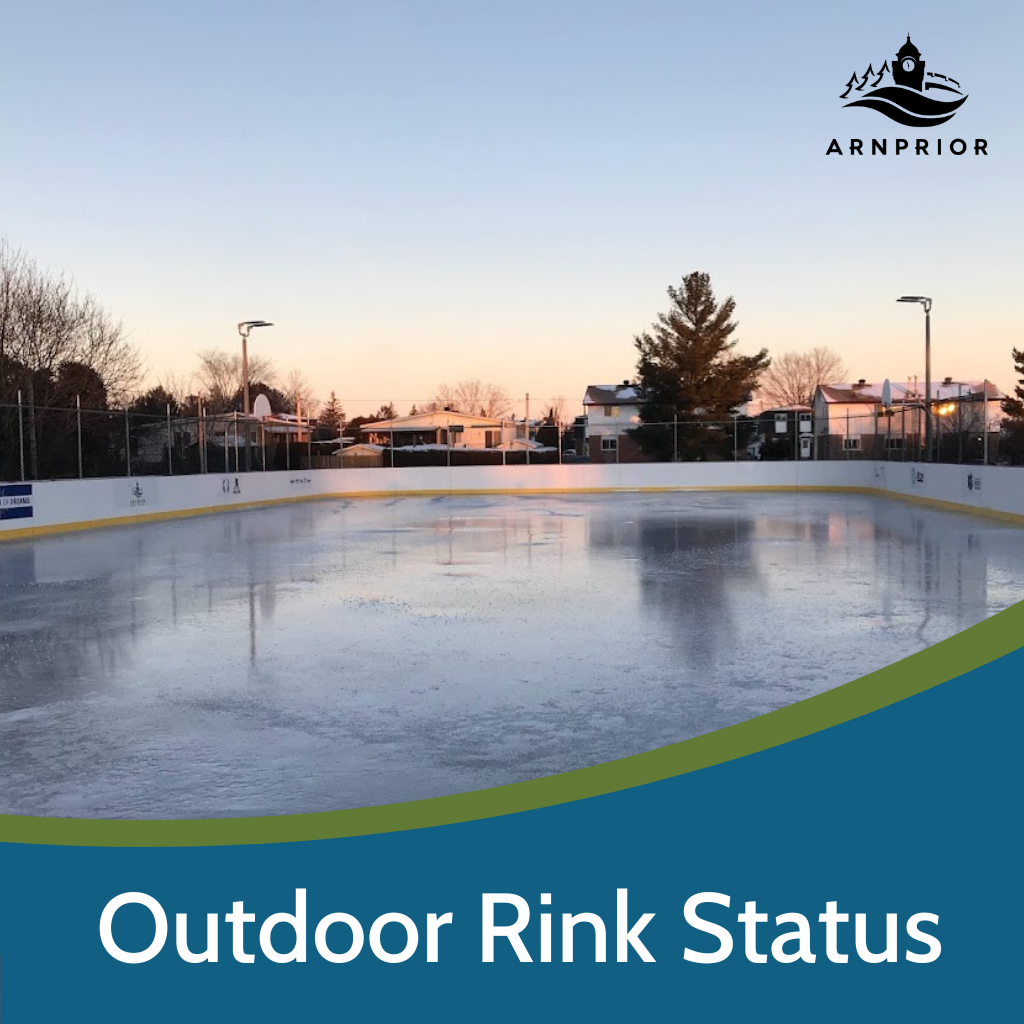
(332, 417)
(687, 371)
(1013, 425)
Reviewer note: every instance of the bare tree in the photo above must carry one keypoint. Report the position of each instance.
(558, 404)
(12, 266)
(105, 348)
(473, 397)
(220, 376)
(179, 386)
(300, 393)
(792, 377)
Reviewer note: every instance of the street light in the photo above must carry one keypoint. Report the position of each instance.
(927, 303)
(243, 329)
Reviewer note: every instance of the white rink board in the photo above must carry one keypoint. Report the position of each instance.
(68, 504)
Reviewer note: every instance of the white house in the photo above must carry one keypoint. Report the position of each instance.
(612, 410)
(850, 420)
(441, 427)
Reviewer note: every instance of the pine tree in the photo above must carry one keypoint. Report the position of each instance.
(849, 85)
(867, 74)
(333, 416)
(687, 372)
(1013, 425)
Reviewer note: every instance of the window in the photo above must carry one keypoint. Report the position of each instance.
(851, 444)
(805, 422)
(609, 444)
(611, 411)
(781, 425)
(894, 443)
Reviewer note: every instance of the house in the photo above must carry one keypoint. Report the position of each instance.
(786, 432)
(442, 427)
(612, 410)
(359, 456)
(851, 422)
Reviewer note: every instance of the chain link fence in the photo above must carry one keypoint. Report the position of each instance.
(38, 443)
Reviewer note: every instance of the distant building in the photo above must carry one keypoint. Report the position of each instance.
(786, 432)
(442, 427)
(851, 422)
(612, 410)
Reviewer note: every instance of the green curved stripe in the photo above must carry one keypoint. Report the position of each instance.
(979, 645)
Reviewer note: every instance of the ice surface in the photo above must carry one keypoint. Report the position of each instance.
(345, 653)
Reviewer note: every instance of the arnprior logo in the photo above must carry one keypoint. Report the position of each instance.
(138, 496)
(909, 96)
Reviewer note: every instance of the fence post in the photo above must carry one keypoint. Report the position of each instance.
(21, 436)
(984, 423)
(675, 436)
(170, 454)
(78, 417)
(127, 445)
(287, 448)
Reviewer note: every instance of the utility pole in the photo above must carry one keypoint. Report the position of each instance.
(243, 329)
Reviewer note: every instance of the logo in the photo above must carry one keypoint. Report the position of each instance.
(15, 501)
(138, 496)
(910, 96)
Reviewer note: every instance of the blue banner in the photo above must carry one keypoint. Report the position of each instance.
(837, 876)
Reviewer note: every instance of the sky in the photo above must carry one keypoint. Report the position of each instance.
(419, 192)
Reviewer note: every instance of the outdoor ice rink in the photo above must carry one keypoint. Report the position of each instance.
(338, 654)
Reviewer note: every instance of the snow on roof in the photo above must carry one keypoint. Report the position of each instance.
(432, 420)
(611, 394)
(871, 393)
(360, 447)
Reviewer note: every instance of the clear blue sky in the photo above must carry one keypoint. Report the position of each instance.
(416, 192)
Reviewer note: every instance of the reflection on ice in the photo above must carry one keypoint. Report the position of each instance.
(338, 654)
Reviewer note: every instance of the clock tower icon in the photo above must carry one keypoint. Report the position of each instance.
(908, 69)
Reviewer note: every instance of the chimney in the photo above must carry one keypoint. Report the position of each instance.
(625, 383)
(861, 383)
(948, 381)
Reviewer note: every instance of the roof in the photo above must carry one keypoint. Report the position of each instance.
(360, 447)
(519, 442)
(785, 408)
(432, 420)
(612, 394)
(871, 393)
(908, 49)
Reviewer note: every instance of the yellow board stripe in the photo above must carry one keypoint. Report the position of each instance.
(23, 533)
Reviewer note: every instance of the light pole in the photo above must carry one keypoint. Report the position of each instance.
(243, 329)
(927, 304)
